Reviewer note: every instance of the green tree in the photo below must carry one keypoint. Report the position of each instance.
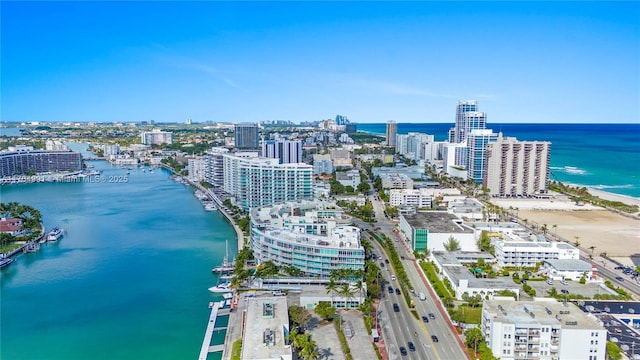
(346, 292)
(473, 338)
(452, 244)
(364, 187)
(332, 288)
(613, 351)
(325, 310)
(552, 292)
(299, 315)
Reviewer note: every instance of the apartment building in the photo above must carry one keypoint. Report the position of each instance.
(542, 330)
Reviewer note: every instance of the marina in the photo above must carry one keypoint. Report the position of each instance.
(117, 236)
(217, 309)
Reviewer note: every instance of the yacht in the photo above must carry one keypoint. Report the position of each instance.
(221, 288)
(5, 262)
(226, 266)
(54, 234)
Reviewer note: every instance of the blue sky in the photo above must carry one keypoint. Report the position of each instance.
(525, 62)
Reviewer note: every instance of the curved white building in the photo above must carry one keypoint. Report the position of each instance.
(311, 235)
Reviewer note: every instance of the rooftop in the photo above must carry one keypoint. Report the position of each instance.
(341, 237)
(542, 312)
(267, 322)
(569, 264)
(436, 222)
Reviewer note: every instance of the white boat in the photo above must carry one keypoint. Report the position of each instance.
(54, 234)
(210, 207)
(221, 288)
(226, 266)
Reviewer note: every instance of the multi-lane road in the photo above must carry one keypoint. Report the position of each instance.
(400, 328)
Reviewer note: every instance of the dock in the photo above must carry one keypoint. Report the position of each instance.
(216, 309)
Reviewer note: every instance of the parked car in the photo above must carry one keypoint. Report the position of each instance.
(381, 264)
(563, 282)
(549, 282)
(386, 260)
(564, 291)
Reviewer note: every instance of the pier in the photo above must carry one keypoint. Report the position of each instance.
(206, 348)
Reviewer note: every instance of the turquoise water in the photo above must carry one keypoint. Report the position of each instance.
(603, 156)
(128, 280)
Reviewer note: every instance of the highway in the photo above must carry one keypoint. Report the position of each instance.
(400, 328)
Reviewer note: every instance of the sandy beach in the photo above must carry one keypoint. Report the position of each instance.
(608, 232)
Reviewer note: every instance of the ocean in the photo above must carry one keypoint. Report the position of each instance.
(129, 278)
(602, 156)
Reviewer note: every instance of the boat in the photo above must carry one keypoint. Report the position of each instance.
(54, 234)
(210, 207)
(226, 266)
(5, 262)
(32, 247)
(221, 288)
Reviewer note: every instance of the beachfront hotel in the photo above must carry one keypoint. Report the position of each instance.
(514, 251)
(256, 181)
(543, 329)
(311, 235)
(25, 160)
(517, 168)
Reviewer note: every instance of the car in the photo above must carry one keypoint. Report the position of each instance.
(397, 291)
(381, 264)
(619, 278)
(425, 319)
(393, 277)
(618, 268)
(564, 291)
(434, 338)
(563, 282)
(401, 257)
(549, 282)
(396, 308)
(390, 289)
(403, 351)
(411, 346)
(432, 316)
(386, 261)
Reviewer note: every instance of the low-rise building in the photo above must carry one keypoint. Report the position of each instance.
(266, 330)
(396, 181)
(348, 178)
(450, 266)
(322, 164)
(11, 226)
(574, 269)
(544, 330)
(513, 251)
(432, 229)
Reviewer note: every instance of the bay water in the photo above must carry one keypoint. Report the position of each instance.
(129, 278)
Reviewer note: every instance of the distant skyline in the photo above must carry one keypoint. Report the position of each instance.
(525, 62)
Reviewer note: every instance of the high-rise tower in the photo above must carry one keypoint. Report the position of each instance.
(468, 118)
(392, 130)
(246, 136)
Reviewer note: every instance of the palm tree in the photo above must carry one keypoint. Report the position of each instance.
(592, 248)
(555, 230)
(332, 287)
(576, 242)
(309, 350)
(544, 229)
(346, 292)
(360, 286)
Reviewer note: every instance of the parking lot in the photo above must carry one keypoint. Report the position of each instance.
(572, 287)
